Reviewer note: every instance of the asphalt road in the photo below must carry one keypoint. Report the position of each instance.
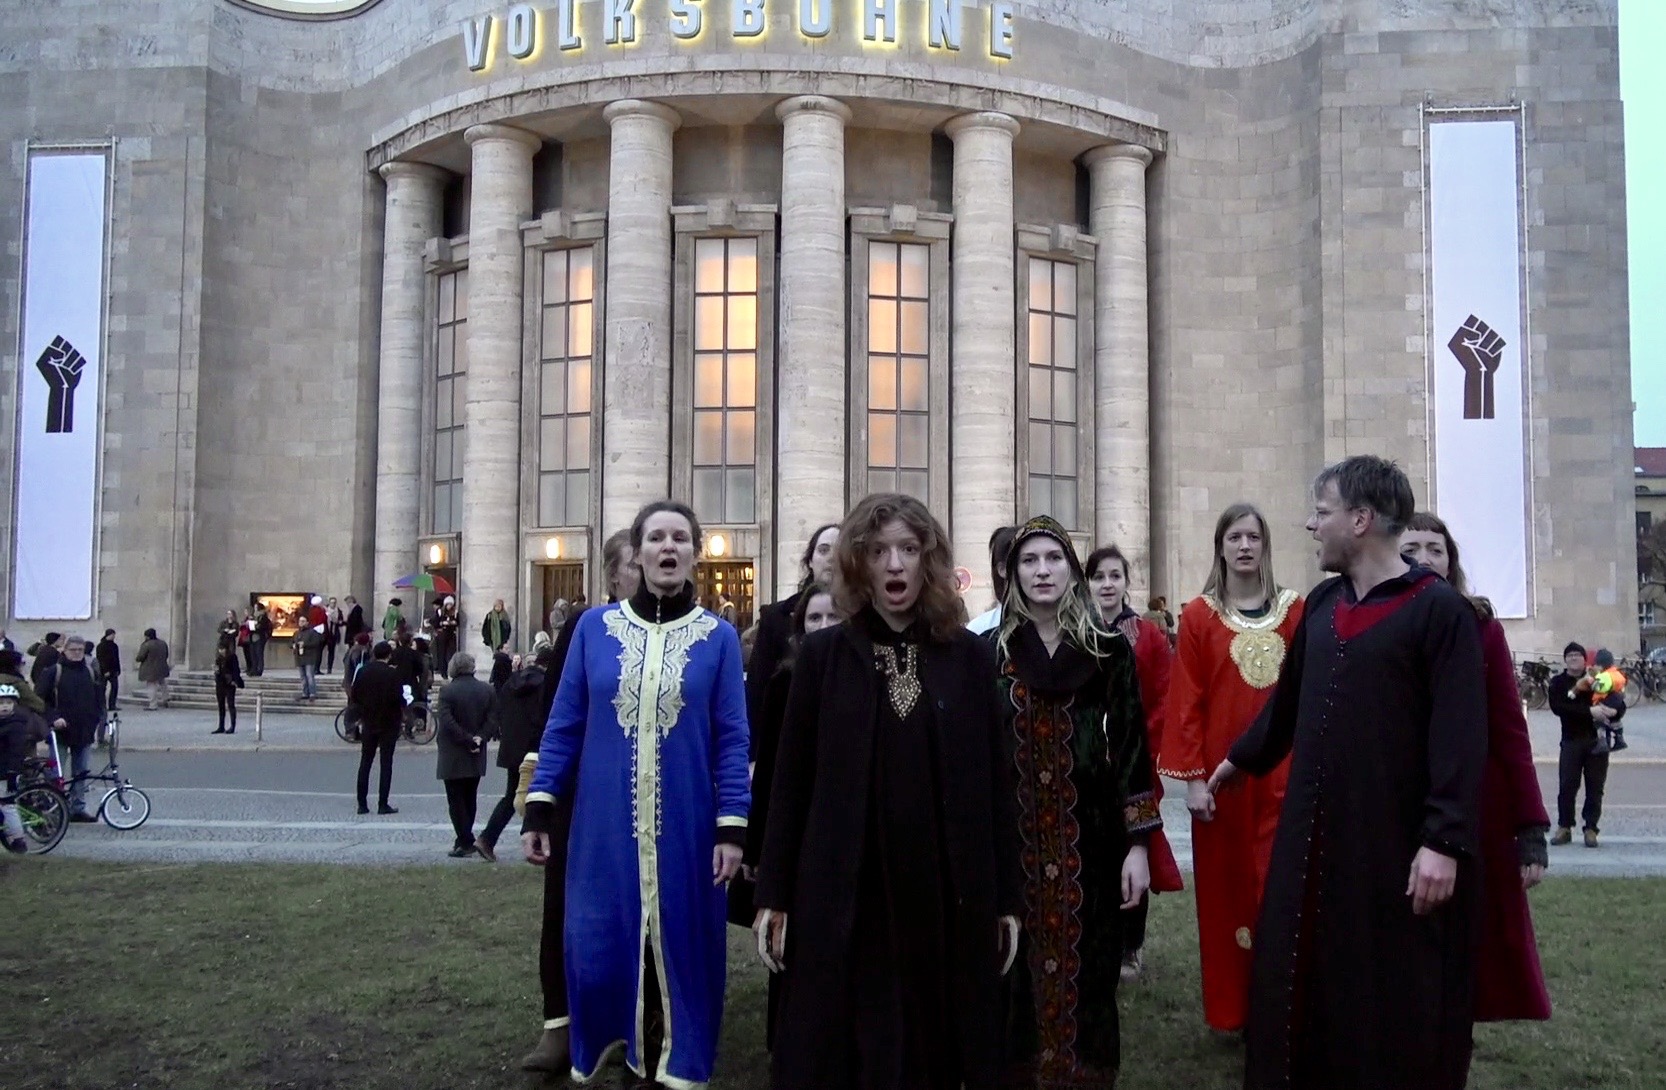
(274, 805)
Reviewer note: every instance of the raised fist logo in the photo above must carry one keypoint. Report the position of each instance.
(61, 366)
(1479, 349)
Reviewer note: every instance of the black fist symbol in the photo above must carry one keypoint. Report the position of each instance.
(1479, 349)
(61, 366)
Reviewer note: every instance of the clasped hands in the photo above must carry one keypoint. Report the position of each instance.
(771, 928)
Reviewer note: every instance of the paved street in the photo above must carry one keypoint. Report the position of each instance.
(222, 799)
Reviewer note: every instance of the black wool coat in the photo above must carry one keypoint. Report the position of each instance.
(817, 827)
(379, 695)
(465, 709)
(769, 647)
(520, 716)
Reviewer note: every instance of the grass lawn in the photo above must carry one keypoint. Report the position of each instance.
(229, 977)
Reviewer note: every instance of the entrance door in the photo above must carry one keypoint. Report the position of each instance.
(562, 580)
(715, 580)
(448, 572)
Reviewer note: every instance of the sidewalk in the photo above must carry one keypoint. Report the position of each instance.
(190, 730)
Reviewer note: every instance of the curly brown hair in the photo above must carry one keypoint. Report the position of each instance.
(938, 605)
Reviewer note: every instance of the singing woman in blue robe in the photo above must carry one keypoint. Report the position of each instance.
(648, 737)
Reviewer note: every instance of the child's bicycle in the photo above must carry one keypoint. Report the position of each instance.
(44, 813)
(123, 806)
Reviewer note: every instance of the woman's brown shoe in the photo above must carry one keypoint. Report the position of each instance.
(551, 1055)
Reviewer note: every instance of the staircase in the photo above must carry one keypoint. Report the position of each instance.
(279, 692)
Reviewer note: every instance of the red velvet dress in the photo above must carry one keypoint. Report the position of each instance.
(1509, 983)
(1225, 669)
(1153, 662)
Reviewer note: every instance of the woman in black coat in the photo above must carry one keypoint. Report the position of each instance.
(466, 711)
(228, 678)
(521, 717)
(892, 839)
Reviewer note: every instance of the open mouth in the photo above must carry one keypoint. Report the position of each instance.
(896, 588)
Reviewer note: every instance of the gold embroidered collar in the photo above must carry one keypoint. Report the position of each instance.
(1257, 648)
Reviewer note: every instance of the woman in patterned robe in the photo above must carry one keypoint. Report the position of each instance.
(1087, 808)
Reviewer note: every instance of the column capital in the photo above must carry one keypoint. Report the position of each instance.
(818, 104)
(983, 121)
(1113, 152)
(420, 172)
(637, 107)
(476, 134)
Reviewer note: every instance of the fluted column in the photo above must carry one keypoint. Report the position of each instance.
(414, 195)
(982, 428)
(810, 375)
(636, 416)
(1122, 351)
(500, 198)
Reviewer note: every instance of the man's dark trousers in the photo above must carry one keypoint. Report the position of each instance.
(1580, 761)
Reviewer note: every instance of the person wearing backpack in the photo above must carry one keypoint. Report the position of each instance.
(75, 707)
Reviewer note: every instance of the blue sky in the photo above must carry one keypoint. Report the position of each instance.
(1643, 86)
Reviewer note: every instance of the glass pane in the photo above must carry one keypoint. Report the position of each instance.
(1041, 283)
(1064, 501)
(1041, 394)
(555, 286)
(442, 405)
(552, 498)
(459, 400)
(882, 382)
(462, 304)
(578, 386)
(443, 447)
(582, 286)
(581, 329)
(708, 265)
(578, 442)
(911, 432)
(743, 322)
(743, 267)
(460, 351)
(1064, 450)
(448, 293)
(916, 328)
(459, 444)
(552, 343)
(1064, 287)
(882, 268)
(441, 514)
(914, 483)
(914, 261)
(708, 322)
(552, 444)
(738, 497)
(443, 359)
(914, 386)
(1041, 448)
(552, 388)
(708, 494)
(1064, 396)
(882, 480)
(743, 380)
(1041, 495)
(708, 380)
(882, 439)
(1064, 342)
(882, 325)
(739, 450)
(1041, 340)
(578, 499)
(708, 438)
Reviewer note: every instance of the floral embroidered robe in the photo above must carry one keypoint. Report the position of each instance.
(648, 737)
(1085, 792)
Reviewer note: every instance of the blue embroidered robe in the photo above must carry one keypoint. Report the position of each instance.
(648, 735)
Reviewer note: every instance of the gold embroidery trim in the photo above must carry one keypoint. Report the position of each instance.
(1257, 648)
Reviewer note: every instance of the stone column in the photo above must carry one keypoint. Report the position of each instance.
(982, 428)
(810, 429)
(415, 192)
(636, 414)
(500, 199)
(1121, 351)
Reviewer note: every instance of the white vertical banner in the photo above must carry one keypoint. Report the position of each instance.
(59, 385)
(1478, 350)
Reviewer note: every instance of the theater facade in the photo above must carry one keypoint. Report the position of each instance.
(360, 290)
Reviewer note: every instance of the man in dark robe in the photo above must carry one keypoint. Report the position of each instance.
(1364, 968)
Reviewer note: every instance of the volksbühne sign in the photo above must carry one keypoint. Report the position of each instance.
(521, 32)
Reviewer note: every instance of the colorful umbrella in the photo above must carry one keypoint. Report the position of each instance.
(426, 581)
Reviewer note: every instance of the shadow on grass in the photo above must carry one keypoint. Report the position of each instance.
(425, 978)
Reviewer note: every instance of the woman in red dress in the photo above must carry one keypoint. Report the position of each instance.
(1232, 642)
(1510, 984)
(1108, 578)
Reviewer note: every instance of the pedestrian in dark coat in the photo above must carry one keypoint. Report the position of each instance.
(355, 619)
(466, 714)
(309, 657)
(257, 642)
(108, 656)
(521, 719)
(75, 708)
(228, 678)
(46, 654)
(152, 661)
(378, 698)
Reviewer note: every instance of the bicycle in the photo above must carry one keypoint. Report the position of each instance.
(416, 724)
(123, 807)
(1533, 683)
(44, 811)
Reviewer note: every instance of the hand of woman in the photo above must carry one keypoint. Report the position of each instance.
(725, 863)
(536, 848)
(1531, 875)
(771, 929)
(1136, 876)
(1199, 800)
(1008, 942)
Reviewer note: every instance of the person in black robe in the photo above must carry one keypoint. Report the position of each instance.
(889, 888)
(775, 623)
(1364, 954)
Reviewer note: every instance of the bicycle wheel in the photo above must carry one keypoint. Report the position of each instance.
(347, 725)
(124, 807)
(420, 724)
(45, 814)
